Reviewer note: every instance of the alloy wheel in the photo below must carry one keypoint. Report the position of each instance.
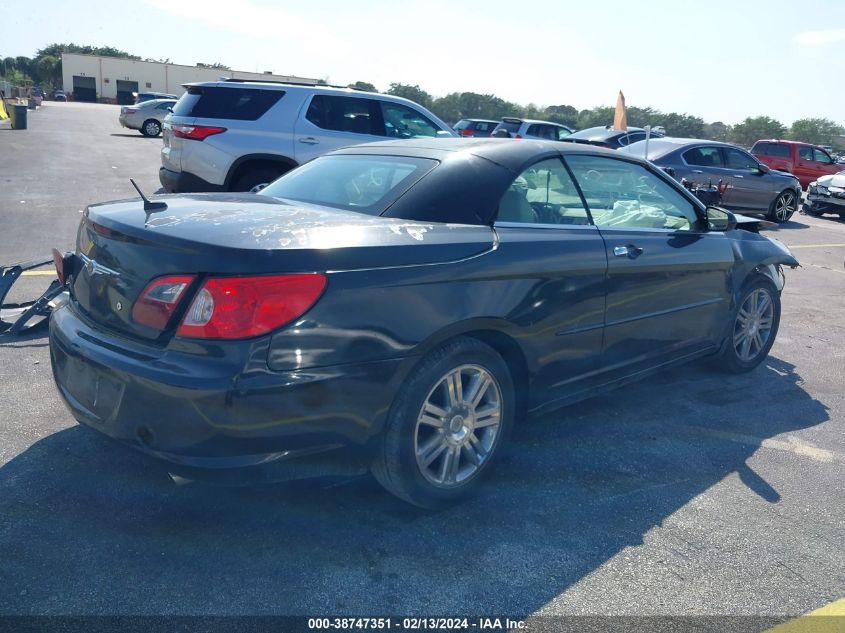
(785, 206)
(458, 425)
(753, 325)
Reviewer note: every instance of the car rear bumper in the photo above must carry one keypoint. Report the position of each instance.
(185, 182)
(198, 413)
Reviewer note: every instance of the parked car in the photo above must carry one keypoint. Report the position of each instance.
(237, 135)
(399, 306)
(141, 97)
(749, 185)
(475, 127)
(807, 162)
(512, 127)
(59, 95)
(609, 137)
(826, 195)
(146, 117)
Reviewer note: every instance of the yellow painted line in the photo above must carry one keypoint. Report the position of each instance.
(38, 273)
(816, 246)
(828, 619)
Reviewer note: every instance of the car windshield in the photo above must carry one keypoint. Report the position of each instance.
(361, 183)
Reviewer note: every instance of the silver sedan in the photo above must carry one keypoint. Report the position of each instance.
(146, 117)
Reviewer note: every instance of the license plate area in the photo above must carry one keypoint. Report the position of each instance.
(99, 392)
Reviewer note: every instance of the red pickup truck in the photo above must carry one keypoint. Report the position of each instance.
(806, 162)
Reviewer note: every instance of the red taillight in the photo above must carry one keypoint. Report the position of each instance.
(519, 136)
(466, 132)
(159, 299)
(241, 307)
(130, 110)
(196, 132)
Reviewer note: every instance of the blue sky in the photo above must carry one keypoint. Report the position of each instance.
(718, 60)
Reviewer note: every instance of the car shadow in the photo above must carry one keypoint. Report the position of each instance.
(89, 526)
(791, 225)
(138, 135)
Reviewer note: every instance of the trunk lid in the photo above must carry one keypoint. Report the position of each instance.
(121, 248)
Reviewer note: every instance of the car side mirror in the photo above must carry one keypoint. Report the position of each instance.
(764, 169)
(719, 219)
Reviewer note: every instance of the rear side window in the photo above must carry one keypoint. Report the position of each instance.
(771, 149)
(632, 137)
(240, 104)
(345, 114)
(704, 157)
(361, 183)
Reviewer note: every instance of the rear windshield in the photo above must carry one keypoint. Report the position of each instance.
(241, 104)
(462, 124)
(771, 149)
(510, 126)
(366, 184)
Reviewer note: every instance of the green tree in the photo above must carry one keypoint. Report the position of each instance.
(595, 117)
(56, 50)
(24, 65)
(414, 93)
(681, 125)
(48, 71)
(215, 65)
(754, 128)
(717, 131)
(471, 105)
(563, 114)
(363, 85)
(816, 131)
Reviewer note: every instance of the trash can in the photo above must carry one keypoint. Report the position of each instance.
(18, 117)
(31, 103)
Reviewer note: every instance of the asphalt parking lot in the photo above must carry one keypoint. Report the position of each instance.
(691, 493)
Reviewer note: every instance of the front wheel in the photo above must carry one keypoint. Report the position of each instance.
(447, 425)
(755, 325)
(783, 207)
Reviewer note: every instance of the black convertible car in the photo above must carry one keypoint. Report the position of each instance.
(399, 306)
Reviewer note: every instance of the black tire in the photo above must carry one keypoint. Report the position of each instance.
(396, 466)
(151, 128)
(730, 359)
(253, 178)
(783, 207)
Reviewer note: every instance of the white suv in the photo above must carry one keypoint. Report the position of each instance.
(234, 135)
(512, 127)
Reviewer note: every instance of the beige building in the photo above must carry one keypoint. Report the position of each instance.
(91, 77)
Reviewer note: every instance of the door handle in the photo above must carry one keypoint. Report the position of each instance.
(310, 140)
(698, 171)
(629, 250)
(737, 176)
